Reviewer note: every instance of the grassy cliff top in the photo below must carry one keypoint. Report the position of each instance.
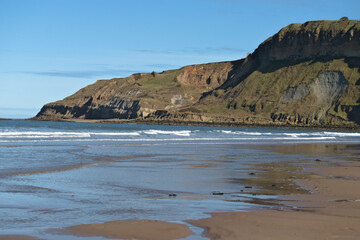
(342, 27)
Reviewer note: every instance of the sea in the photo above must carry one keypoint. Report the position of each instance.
(59, 174)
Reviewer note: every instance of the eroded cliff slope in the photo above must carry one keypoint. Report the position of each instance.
(305, 75)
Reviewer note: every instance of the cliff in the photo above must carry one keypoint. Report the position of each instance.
(305, 75)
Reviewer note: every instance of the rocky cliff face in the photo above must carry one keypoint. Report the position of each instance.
(140, 94)
(297, 42)
(305, 75)
(311, 40)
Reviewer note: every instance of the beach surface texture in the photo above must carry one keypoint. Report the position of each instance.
(133, 229)
(332, 211)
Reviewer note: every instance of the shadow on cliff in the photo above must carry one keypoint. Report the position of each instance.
(235, 76)
(272, 66)
(242, 68)
(354, 114)
(231, 76)
(353, 62)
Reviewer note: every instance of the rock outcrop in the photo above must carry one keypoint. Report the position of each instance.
(305, 75)
(329, 86)
(295, 94)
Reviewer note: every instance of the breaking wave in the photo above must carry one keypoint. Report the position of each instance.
(175, 134)
(178, 133)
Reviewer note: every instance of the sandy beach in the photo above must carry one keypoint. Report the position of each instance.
(332, 211)
(312, 192)
(133, 229)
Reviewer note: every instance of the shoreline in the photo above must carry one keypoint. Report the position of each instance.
(193, 123)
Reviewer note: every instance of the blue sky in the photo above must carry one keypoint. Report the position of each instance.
(51, 48)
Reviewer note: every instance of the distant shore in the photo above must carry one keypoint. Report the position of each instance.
(10, 119)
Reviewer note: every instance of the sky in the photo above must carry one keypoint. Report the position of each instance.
(49, 49)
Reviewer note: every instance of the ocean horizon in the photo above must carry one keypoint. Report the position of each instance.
(18, 113)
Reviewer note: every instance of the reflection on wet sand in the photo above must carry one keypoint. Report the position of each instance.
(331, 211)
(316, 150)
(275, 178)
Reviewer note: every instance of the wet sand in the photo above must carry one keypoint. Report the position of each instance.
(132, 229)
(332, 211)
(319, 199)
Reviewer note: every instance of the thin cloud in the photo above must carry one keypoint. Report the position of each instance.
(208, 50)
(156, 51)
(223, 50)
(163, 66)
(84, 73)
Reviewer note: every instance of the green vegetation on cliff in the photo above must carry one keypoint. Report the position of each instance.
(260, 97)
